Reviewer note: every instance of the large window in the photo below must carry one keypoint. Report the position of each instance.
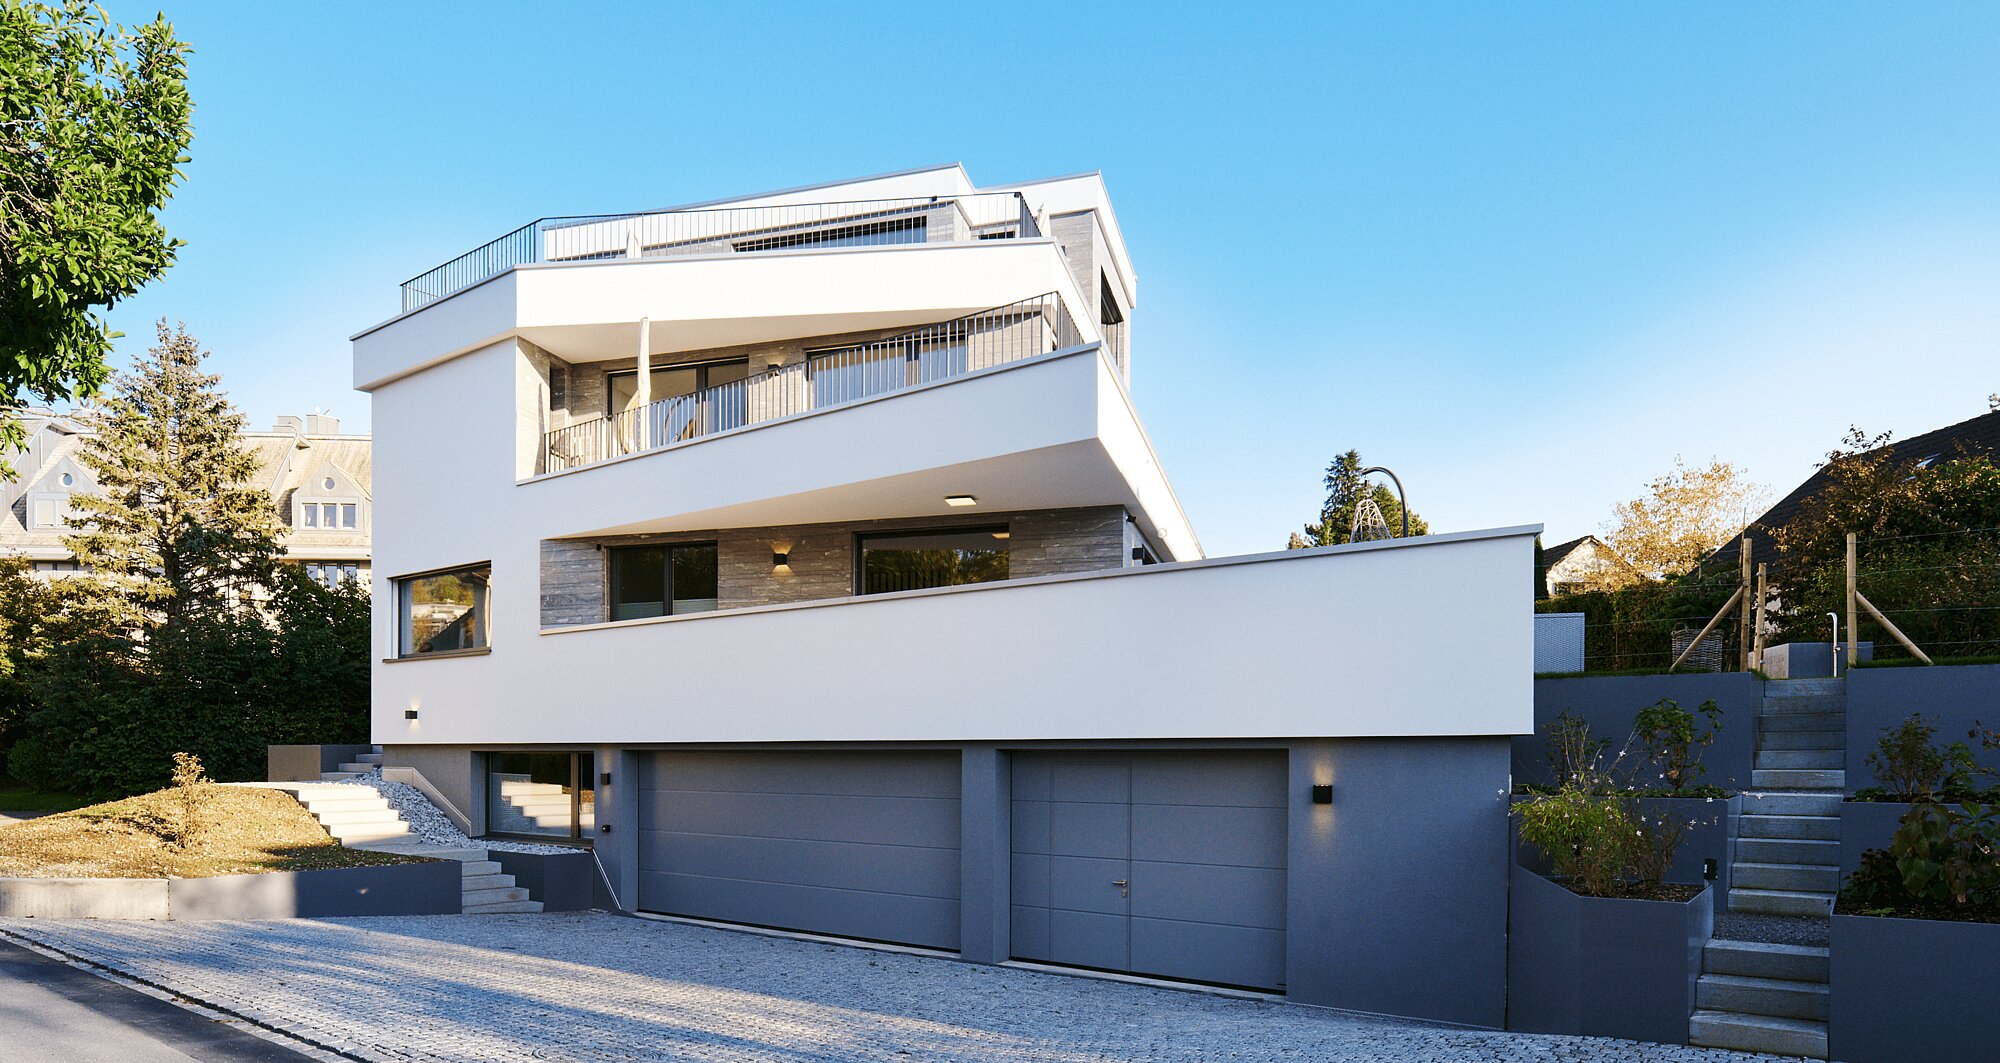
(550, 795)
(662, 580)
(908, 561)
(443, 612)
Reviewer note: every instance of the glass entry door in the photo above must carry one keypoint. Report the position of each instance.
(551, 795)
(711, 405)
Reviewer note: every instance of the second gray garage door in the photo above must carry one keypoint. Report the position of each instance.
(1166, 864)
(860, 845)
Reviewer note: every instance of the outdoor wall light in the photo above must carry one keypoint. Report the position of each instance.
(960, 501)
(604, 779)
(1322, 793)
(409, 714)
(781, 556)
(1708, 869)
(604, 828)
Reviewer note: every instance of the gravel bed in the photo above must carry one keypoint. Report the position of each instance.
(431, 825)
(1772, 929)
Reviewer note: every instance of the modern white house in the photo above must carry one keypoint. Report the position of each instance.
(805, 555)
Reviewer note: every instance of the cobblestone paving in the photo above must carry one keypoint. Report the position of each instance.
(590, 987)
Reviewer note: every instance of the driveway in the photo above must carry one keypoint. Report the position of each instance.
(592, 986)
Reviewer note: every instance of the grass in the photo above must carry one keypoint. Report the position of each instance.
(23, 799)
(1909, 662)
(245, 830)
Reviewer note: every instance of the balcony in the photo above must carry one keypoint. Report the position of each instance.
(731, 230)
(931, 354)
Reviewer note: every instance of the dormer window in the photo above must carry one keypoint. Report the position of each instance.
(330, 500)
(330, 515)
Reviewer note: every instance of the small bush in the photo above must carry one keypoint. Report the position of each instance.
(1944, 860)
(1673, 745)
(191, 789)
(1588, 837)
(1911, 767)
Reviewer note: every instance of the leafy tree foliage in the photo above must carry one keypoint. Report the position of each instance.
(177, 527)
(36, 616)
(94, 125)
(1344, 491)
(1683, 517)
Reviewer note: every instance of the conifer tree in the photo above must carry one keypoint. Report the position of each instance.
(176, 524)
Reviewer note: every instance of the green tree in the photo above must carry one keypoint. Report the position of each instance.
(1344, 491)
(94, 126)
(36, 617)
(177, 528)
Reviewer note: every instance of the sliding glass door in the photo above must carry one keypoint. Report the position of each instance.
(543, 795)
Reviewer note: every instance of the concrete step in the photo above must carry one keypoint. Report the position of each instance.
(474, 868)
(317, 805)
(1762, 959)
(1773, 997)
(1803, 878)
(1806, 688)
(498, 895)
(518, 788)
(1780, 902)
(373, 832)
(356, 817)
(411, 845)
(503, 907)
(1802, 721)
(358, 768)
(339, 776)
(1812, 705)
(1816, 828)
(1803, 740)
(1797, 779)
(1758, 1033)
(1787, 851)
(1784, 803)
(489, 881)
(1795, 759)
(370, 758)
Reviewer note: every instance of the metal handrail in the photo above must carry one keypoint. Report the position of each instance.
(833, 377)
(722, 230)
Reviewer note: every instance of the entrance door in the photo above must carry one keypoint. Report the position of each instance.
(1160, 863)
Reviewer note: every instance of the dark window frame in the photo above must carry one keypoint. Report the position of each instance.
(1005, 529)
(667, 547)
(701, 383)
(399, 584)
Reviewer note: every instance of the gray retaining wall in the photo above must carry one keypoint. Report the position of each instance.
(429, 888)
(1912, 990)
(1952, 697)
(1609, 703)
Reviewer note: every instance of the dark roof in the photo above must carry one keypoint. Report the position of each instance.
(1980, 435)
(1553, 554)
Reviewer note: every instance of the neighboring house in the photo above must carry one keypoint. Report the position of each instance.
(317, 477)
(805, 555)
(1975, 437)
(1585, 564)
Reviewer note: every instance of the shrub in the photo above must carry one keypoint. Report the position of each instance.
(1673, 746)
(191, 789)
(1588, 837)
(1906, 762)
(1944, 859)
(1574, 756)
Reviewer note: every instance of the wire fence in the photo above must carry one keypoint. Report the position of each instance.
(1940, 590)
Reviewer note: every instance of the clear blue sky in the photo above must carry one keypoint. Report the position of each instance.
(1523, 254)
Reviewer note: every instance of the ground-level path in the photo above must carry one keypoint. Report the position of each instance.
(592, 986)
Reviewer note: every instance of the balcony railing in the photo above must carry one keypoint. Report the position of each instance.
(827, 378)
(649, 234)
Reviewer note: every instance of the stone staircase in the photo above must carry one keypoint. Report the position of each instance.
(360, 818)
(1759, 997)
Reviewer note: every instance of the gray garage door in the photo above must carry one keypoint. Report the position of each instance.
(858, 845)
(1165, 864)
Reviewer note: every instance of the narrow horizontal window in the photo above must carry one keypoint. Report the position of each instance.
(908, 561)
(443, 612)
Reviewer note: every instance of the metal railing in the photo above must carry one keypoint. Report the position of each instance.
(830, 377)
(649, 234)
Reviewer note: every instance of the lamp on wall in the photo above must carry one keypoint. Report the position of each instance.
(409, 714)
(1322, 793)
(781, 558)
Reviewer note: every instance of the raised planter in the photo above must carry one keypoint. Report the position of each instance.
(1713, 837)
(1602, 966)
(1952, 697)
(1913, 990)
(563, 882)
(1866, 825)
(429, 888)
(1610, 702)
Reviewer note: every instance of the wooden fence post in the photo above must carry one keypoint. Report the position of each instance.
(1853, 647)
(1757, 640)
(1743, 620)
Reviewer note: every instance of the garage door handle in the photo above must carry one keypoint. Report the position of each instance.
(1120, 883)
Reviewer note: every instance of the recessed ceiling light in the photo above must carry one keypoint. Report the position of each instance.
(1001, 535)
(960, 500)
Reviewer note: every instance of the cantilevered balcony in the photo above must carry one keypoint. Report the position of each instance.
(828, 378)
(732, 230)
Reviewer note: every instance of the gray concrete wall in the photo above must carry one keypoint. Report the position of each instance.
(303, 763)
(83, 898)
(1398, 889)
(456, 771)
(428, 888)
(1601, 966)
(1951, 697)
(1866, 825)
(1912, 990)
(575, 573)
(1609, 704)
(563, 882)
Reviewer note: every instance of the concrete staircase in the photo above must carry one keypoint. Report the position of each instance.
(365, 765)
(1758, 997)
(536, 808)
(1787, 858)
(360, 818)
